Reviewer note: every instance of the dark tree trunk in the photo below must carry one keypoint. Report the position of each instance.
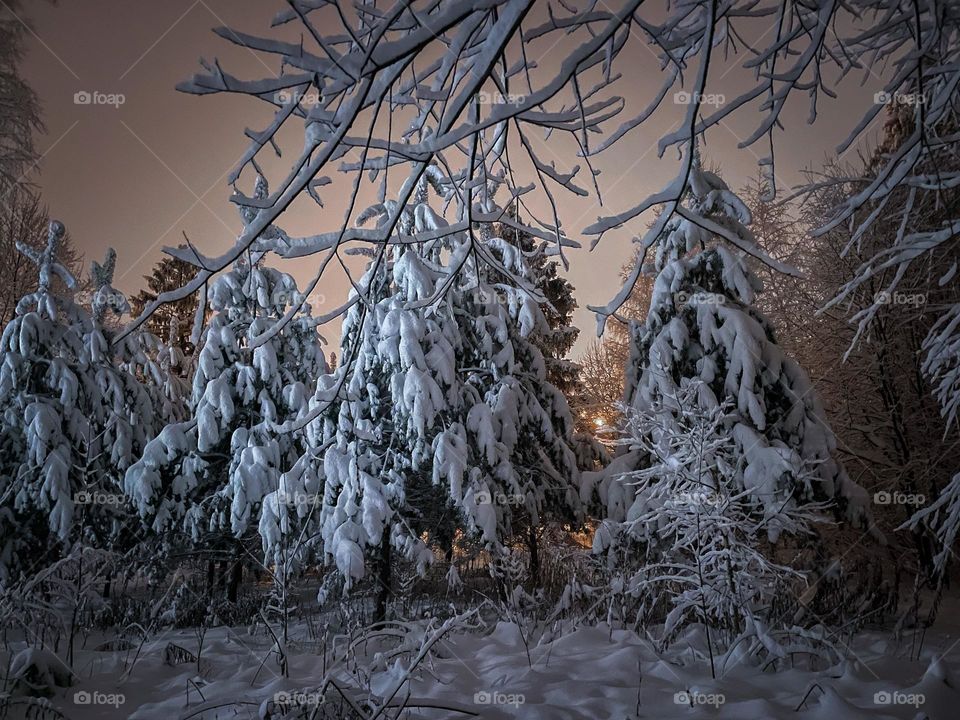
(534, 546)
(211, 576)
(893, 404)
(384, 576)
(236, 576)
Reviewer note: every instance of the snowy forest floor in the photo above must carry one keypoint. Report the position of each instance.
(589, 673)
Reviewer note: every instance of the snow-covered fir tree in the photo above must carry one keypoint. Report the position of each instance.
(554, 338)
(447, 419)
(290, 515)
(209, 475)
(170, 273)
(558, 337)
(128, 410)
(398, 374)
(43, 419)
(74, 414)
(543, 456)
(124, 402)
(702, 325)
(534, 463)
(175, 373)
(220, 464)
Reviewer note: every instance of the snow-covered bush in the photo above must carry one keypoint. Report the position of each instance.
(53, 609)
(38, 672)
(700, 546)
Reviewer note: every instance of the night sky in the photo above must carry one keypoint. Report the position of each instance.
(139, 175)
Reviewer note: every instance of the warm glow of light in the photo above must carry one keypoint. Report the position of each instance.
(598, 422)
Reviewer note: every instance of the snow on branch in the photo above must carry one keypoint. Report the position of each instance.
(392, 90)
(454, 64)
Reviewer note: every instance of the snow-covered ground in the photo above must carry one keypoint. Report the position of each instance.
(590, 673)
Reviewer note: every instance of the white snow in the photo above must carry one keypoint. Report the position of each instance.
(574, 673)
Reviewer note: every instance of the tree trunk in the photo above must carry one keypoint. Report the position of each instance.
(534, 547)
(384, 571)
(236, 575)
(211, 576)
(893, 404)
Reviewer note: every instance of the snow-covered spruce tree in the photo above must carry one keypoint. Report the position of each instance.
(128, 378)
(447, 419)
(541, 445)
(174, 374)
(534, 459)
(209, 474)
(706, 556)
(169, 273)
(556, 337)
(25, 220)
(41, 386)
(76, 410)
(289, 523)
(124, 406)
(398, 374)
(702, 326)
